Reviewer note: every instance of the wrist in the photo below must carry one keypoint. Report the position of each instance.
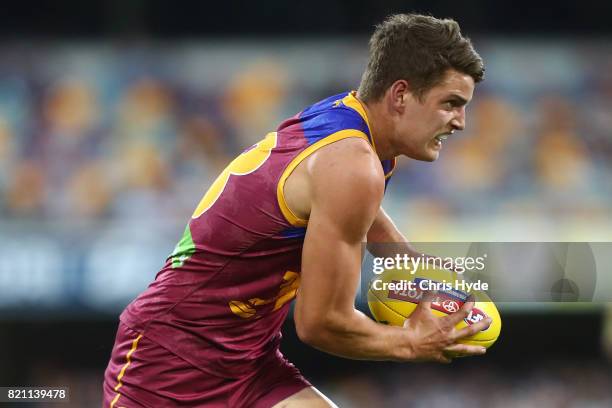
(400, 345)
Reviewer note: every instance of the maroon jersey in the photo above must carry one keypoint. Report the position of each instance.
(224, 292)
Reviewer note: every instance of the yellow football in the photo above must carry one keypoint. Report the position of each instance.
(394, 295)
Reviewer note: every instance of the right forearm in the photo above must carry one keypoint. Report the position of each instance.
(358, 337)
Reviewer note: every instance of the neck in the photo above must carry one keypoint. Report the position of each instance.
(380, 129)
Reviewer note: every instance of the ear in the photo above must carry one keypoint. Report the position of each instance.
(399, 94)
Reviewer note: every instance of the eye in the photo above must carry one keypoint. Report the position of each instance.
(453, 103)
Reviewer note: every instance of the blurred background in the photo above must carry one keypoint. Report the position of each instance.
(115, 117)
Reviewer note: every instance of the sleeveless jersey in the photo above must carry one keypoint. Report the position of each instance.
(223, 294)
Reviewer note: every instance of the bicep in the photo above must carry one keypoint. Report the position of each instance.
(331, 261)
(344, 203)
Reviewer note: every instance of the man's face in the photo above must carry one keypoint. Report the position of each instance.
(422, 125)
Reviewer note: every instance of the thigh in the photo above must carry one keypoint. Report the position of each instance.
(307, 398)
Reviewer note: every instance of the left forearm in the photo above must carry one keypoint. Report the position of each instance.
(384, 238)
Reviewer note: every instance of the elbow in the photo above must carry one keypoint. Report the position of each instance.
(308, 331)
(316, 331)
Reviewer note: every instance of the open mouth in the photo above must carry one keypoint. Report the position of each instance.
(440, 138)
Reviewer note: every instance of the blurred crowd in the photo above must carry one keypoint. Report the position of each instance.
(102, 133)
(561, 385)
(107, 134)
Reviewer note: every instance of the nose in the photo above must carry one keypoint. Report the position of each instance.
(458, 122)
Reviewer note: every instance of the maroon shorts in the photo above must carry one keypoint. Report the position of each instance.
(142, 373)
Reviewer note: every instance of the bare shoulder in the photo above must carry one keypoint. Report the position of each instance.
(349, 162)
(347, 188)
(343, 171)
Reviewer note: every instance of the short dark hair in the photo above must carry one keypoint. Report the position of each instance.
(419, 49)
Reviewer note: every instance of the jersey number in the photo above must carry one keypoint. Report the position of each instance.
(246, 163)
(288, 290)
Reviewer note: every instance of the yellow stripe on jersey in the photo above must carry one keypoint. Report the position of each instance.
(352, 102)
(280, 194)
(393, 164)
(128, 357)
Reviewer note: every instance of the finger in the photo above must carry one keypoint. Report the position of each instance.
(466, 349)
(473, 329)
(426, 299)
(462, 313)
